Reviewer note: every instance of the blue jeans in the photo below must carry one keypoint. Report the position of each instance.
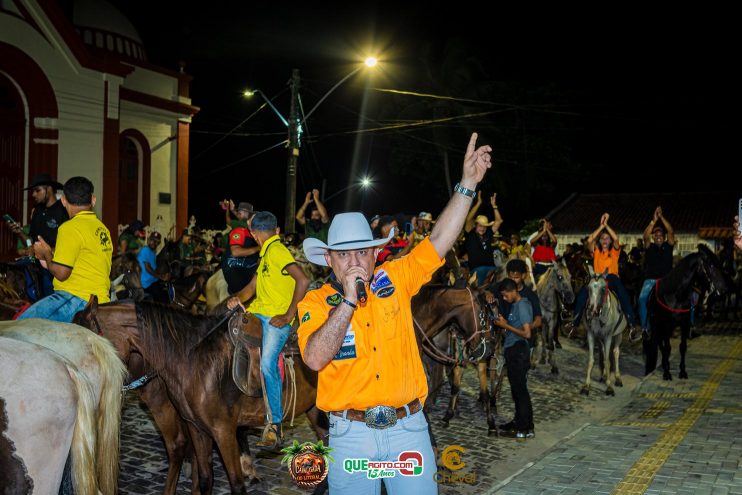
(614, 284)
(355, 440)
(60, 306)
(45, 279)
(643, 297)
(481, 273)
(274, 339)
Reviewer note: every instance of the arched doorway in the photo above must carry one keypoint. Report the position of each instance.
(12, 151)
(134, 177)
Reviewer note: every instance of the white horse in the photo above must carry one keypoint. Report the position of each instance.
(554, 283)
(97, 360)
(605, 322)
(47, 411)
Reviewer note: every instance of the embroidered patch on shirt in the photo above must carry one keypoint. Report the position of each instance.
(381, 280)
(386, 292)
(348, 349)
(334, 299)
(306, 317)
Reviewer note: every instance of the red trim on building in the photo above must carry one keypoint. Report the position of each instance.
(110, 204)
(181, 210)
(146, 170)
(156, 102)
(42, 103)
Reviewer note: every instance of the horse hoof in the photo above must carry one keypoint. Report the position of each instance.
(585, 391)
(482, 398)
(610, 391)
(555, 371)
(445, 424)
(683, 375)
(557, 344)
(666, 376)
(619, 383)
(542, 360)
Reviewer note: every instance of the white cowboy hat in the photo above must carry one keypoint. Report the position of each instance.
(347, 231)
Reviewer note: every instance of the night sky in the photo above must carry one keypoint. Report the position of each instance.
(580, 101)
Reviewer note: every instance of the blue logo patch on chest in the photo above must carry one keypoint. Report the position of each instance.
(386, 292)
(380, 281)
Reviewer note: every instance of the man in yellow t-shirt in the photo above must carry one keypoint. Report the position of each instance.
(371, 377)
(81, 262)
(278, 286)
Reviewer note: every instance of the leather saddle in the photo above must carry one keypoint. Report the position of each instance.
(246, 334)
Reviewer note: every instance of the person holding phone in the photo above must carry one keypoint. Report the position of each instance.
(47, 216)
(371, 378)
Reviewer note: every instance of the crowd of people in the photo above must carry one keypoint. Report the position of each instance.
(355, 328)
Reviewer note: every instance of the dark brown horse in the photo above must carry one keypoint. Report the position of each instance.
(191, 356)
(435, 310)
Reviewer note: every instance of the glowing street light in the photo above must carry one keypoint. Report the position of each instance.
(364, 183)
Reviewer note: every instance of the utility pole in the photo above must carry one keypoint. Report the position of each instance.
(293, 162)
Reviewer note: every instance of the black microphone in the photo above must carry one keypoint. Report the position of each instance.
(361, 291)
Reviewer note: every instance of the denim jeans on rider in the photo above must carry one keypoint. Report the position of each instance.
(614, 283)
(643, 297)
(274, 339)
(481, 272)
(355, 440)
(60, 306)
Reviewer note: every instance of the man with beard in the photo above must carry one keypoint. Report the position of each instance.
(318, 222)
(47, 216)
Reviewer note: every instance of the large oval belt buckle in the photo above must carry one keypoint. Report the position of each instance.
(381, 417)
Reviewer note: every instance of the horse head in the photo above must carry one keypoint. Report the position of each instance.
(597, 291)
(127, 265)
(484, 347)
(710, 268)
(563, 279)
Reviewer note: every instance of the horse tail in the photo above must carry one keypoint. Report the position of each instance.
(83, 437)
(112, 372)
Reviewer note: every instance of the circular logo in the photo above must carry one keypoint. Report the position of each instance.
(308, 463)
(451, 457)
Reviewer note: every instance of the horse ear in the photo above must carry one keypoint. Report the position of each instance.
(473, 280)
(605, 272)
(591, 270)
(90, 310)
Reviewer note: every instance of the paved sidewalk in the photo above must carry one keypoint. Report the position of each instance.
(681, 436)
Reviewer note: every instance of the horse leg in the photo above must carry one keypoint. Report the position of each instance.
(202, 473)
(552, 346)
(246, 460)
(226, 440)
(651, 346)
(455, 382)
(590, 361)
(483, 390)
(616, 353)
(172, 428)
(607, 371)
(684, 334)
(665, 349)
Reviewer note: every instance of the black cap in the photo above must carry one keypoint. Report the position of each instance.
(44, 180)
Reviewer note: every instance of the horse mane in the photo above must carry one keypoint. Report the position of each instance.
(544, 279)
(172, 335)
(678, 275)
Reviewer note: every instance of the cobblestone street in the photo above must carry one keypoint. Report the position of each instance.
(653, 436)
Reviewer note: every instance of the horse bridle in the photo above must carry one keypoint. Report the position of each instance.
(432, 350)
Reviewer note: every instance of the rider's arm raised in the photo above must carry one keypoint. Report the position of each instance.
(451, 220)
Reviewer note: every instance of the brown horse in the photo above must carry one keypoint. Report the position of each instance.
(437, 308)
(191, 356)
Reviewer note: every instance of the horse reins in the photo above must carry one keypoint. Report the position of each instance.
(433, 350)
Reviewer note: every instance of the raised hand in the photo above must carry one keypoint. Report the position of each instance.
(493, 200)
(476, 162)
(308, 199)
(604, 219)
(315, 194)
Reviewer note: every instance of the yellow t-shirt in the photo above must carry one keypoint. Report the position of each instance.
(275, 287)
(84, 244)
(379, 361)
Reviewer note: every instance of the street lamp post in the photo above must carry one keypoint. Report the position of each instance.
(294, 140)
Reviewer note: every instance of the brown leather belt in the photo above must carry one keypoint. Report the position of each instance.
(363, 416)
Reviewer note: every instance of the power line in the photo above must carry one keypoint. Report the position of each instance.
(219, 169)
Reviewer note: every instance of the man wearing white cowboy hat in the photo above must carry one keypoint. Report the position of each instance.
(371, 378)
(479, 240)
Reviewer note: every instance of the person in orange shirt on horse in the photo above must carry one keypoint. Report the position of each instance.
(357, 331)
(605, 257)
